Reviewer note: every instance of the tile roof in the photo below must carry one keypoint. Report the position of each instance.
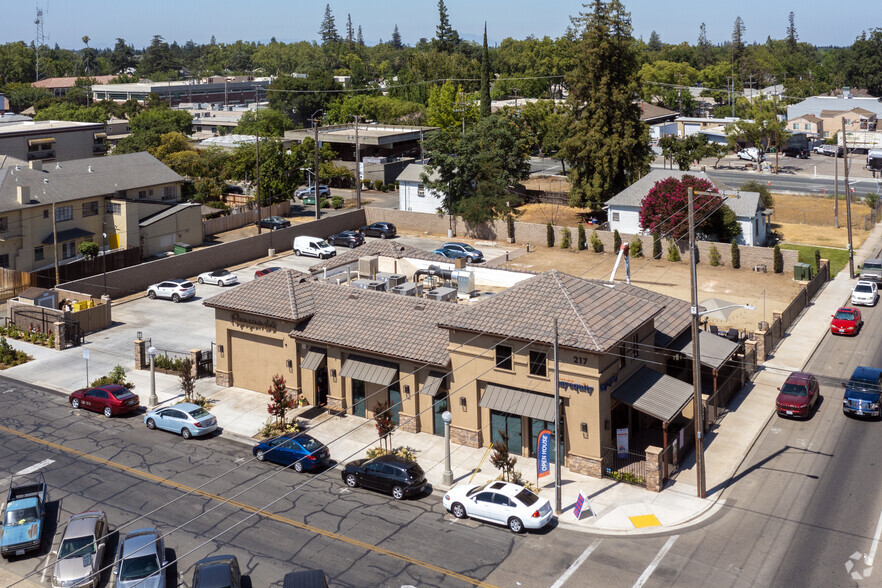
(590, 316)
(68, 82)
(380, 248)
(283, 295)
(634, 194)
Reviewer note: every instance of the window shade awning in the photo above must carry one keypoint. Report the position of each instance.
(519, 402)
(433, 383)
(97, 136)
(368, 369)
(655, 394)
(313, 358)
(45, 141)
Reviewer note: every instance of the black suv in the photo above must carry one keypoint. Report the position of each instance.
(273, 223)
(381, 230)
(347, 239)
(387, 473)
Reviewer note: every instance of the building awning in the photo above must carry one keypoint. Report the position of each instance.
(45, 141)
(655, 394)
(98, 136)
(313, 358)
(368, 369)
(433, 383)
(519, 402)
(713, 349)
(68, 235)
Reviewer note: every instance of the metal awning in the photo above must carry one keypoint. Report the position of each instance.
(68, 235)
(313, 358)
(433, 383)
(45, 141)
(655, 394)
(519, 402)
(713, 349)
(368, 369)
(97, 136)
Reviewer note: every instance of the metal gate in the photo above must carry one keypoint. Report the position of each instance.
(629, 467)
(205, 365)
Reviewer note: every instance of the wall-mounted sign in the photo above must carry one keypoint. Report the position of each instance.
(564, 385)
(253, 324)
(609, 381)
(621, 442)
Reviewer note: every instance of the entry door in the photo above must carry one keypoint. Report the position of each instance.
(510, 424)
(536, 427)
(358, 403)
(394, 402)
(321, 386)
(438, 408)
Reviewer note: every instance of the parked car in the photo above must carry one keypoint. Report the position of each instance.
(387, 473)
(219, 571)
(313, 246)
(22, 518)
(798, 396)
(865, 292)
(221, 277)
(298, 450)
(796, 152)
(305, 579)
(174, 290)
(862, 392)
(751, 154)
(846, 321)
(273, 223)
(457, 250)
(110, 399)
(382, 230)
(323, 191)
(349, 239)
(139, 560)
(189, 420)
(499, 502)
(264, 271)
(81, 551)
(871, 270)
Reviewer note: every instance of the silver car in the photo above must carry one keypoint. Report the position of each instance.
(81, 551)
(140, 560)
(187, 419)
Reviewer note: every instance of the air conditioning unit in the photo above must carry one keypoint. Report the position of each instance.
(465, 282)
(366, 284)
(408, 289)
(368, 266)
(442, 294)
(391, 280)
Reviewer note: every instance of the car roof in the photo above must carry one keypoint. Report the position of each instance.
(83, 524)
(454, 243)
(185, 406)
(865, 372)
(177, 280)
(212, 570)
(864, 283)
(798, 378)
(139, 538)
(112, 388)
(393, 459)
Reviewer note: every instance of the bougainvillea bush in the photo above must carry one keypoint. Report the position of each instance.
(664, 210)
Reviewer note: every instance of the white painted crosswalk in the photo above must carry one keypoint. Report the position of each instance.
(35, 468)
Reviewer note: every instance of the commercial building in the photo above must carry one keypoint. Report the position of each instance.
(213, 90)
(52, 140)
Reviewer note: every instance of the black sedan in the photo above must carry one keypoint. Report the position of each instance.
(392, 474)
(349, 239)
(382, 230)
(274, 222)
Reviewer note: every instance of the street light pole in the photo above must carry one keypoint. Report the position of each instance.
(447, 478)
(315, 175)
(847, 201)
(696, 353)
(104, 256)
(153, 400)
(357, 163)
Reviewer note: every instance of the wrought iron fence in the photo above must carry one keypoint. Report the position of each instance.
(629, 466)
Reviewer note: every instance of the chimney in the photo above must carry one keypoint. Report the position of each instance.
(24, 194)
(37, 165)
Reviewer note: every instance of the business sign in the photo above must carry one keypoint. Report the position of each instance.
(579, 503)
(564, 385)
(621, 442)
(543, 454)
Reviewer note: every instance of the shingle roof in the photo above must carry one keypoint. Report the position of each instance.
(650, 112)
(590, 316)
(815, 104)
(171, 211)
(283, 295)
(379, 248)
(634, 194)
(413, 173)
(72, 180)
(745, 205)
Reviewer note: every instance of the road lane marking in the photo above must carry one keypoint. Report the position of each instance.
(576, 564)
(249, 508)
(654, 563)
(34, 468)
(875, 544)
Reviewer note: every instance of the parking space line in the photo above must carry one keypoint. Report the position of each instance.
(871, 555)
(576, 564)
(654, 563)
(34, 468)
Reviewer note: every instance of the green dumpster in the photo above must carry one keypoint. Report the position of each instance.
(182, 248)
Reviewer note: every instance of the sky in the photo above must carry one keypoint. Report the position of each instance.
(67, 21)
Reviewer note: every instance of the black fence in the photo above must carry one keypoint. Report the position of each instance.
(629, 467)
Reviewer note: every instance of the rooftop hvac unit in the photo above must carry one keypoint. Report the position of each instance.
(391, 280)
(465, 282)
(368, 266)
(442, 294)
(408, 289)
(366, 284)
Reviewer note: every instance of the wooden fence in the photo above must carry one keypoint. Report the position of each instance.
(84, 268)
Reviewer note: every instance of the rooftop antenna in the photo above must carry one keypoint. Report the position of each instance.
(40, 39)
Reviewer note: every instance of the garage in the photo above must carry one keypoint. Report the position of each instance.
(256, 359)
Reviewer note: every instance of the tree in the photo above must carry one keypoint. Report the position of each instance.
(281, 400)
(328, 29)
(116, 376)
(792, 37)
(549, 234)
(862, 62)
(485, 76)
(762, 128)
(501, 459)
(673, 250)
(444, 111)
(89, 59)
(656, 245)
(89, 249)
(396, 43)
(617, 241)
(705, 50)
(185, 377)
(765, 194)
(72, 112)
(738, 42)
(157, 59)
(300, 98)
(360, 38)
(580, 238)
(350, 34)
(691, 149)
(664, 209)
(654, 44)
(635, 247)
(777, 259)
(735, 254)
(446, 38)
(608, 145)
(713, 255)
(383, 423)
(148, 127)
(122, 57)
(268, 122)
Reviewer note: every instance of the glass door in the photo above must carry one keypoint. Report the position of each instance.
(509, 425)
(394, 402)
(358, 408)
(536, 427)
(438, 408)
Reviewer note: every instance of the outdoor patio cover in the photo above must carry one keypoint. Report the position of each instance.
(519, 402)
(655, 394)
(713, 349)
(368, 369)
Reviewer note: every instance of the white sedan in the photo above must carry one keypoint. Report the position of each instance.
(865, 292)
(499, 502)
(219, 277)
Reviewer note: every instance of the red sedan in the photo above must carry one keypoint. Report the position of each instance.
(798, 396)
(111, 399)
(846, 321)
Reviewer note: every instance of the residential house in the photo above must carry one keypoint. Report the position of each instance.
(856, 119)
(413, 195)
(817, 104)
(60, 86)
(809, 124)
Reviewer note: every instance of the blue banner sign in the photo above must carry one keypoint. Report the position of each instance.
(543, 452)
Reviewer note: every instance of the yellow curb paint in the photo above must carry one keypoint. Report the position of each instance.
(252, 509)
(642, 521)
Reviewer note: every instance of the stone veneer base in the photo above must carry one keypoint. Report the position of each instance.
(223, 378)
(587, 466)
(465, 437)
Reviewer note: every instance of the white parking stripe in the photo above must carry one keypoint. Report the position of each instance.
(34, 468)
(875, 544)
(570, 570)
(654, 563)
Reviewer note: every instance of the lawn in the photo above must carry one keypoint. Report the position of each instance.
(838, 257)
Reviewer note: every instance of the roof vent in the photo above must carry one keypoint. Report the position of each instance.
(45, 180)
(354, 295)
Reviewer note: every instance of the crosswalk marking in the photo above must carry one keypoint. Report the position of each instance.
(570, 570)
(35, 468)
(654, 563)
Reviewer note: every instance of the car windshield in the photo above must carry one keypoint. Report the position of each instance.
(222, 273)
(863, 288)
(527, 497)
(863, 386)
(136, 568)
(309, 443)
(186, 285)
(794, 389)
(21, 516)
(872, 266)
(844, 316)
(469, 248)
(199, 413)
(76, 547)
(475, 490)
(323, 243)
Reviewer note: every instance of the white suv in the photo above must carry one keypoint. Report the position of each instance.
(175, 290)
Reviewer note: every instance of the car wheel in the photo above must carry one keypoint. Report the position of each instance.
(176, 298)
(185, 433)
(261, 456)
(351, 481)
(297, 252)
(107, 412)
(201, 281)
(221, 284)
(458, 510)
(151, 424)
(151, 295)
(298, 467)
(75, 404)
(382, 235)
(397, 492)
(515, 524)
(352, 245)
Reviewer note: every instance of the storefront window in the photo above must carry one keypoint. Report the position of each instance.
(536, 427)
(508, 425)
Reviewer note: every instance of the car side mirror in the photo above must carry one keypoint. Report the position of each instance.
(779, 388)
(843, 384)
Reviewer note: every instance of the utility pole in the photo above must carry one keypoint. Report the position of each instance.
(847, 200)
(462, 109)
(557, 435)
(257, 156)
(696, 354)
(357, 164)
(55, 244)
(836, 187)
(315, 176)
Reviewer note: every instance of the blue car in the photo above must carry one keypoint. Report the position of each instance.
(186, 419)
(298, 450)
(457, 250)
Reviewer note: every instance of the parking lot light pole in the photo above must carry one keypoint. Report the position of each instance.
(153, 400)
(447, 478)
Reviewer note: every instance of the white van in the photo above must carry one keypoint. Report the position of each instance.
(313, 246)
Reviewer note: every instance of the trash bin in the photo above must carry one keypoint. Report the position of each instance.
(182, 248)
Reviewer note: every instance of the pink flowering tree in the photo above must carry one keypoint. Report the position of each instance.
(664, 210)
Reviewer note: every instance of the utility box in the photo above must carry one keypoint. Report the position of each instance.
(802, 271)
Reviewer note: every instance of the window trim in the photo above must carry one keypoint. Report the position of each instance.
(538, 363)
